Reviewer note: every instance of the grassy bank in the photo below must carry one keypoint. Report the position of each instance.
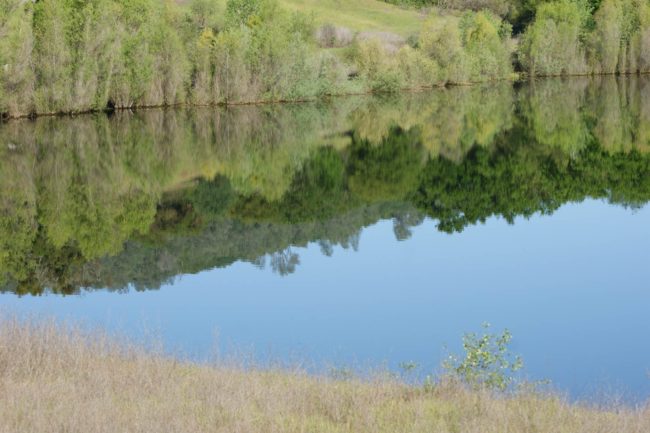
(55, 379)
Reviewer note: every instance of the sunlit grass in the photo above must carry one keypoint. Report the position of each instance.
(59, 379)
(358, 15)
(361, 15)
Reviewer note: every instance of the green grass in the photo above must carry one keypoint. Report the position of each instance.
(359, 15)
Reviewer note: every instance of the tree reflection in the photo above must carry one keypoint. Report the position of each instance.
(133, 200)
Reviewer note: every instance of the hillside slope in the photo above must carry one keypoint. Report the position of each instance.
(357, 15)
(361, 15)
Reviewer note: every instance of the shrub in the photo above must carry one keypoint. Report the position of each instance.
(16, 45)
(169, 60)
(485, 44)
(441, 40)
(332, 77)
(95, 50)
(487, 363)
(619, 41)
(376, 67)
(249, 13)
(473, 47)
(330, 36)
(232, 78)
(418, 69)
(53, 58)
(553, 44)
(64, 56)
(606, 41)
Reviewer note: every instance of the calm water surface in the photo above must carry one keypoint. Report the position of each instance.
(364, 232)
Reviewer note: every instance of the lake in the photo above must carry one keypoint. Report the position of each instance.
(360, 232)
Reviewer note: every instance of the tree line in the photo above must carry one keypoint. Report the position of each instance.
(71, 56)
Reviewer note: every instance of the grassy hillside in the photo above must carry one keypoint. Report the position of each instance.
(361, 15)
(56, 380)
(357, 15)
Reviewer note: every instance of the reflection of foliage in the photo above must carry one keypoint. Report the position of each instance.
(148, 264)
(555, 114)
(212, 197)
(284, 262)
(164, 193)
(402, 224)
(388, 170)
(526, 180)
(317, 190)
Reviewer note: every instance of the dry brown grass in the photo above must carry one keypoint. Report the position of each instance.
(55, 379)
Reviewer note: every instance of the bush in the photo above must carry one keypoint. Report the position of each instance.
(249, 13)
(53, 58)
(65, 56)
(262, 54)
(16, 45)
(232, 78)
(485, 44)
(418, 69)
(376, 67)
(95, 51)
(488, 362)
(553, 44)
(620, 40)
(87, 53)
(473, 47)
(441, 40)
(330, 36)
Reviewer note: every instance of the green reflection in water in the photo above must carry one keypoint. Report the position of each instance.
(135, 199)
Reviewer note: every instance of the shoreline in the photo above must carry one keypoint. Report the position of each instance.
(521, 78)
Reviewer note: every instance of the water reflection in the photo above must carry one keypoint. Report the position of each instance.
(133, 200)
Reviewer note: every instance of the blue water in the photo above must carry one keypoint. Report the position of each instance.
(572, 287)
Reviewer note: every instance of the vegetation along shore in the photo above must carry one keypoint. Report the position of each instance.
(58, 378)
(72, 56)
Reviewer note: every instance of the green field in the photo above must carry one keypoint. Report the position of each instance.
(359, 15)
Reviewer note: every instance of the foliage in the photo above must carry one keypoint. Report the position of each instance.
(96, 201)
(388, 170)
(441, 40)
(553, 44)
(16, 46)
(69, 56)
(472, 47)
(375, 66)
(577, 37)
(485, 41)
(487, 363)
(620, 39)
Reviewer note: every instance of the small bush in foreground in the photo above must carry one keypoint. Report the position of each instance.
(487, 363)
